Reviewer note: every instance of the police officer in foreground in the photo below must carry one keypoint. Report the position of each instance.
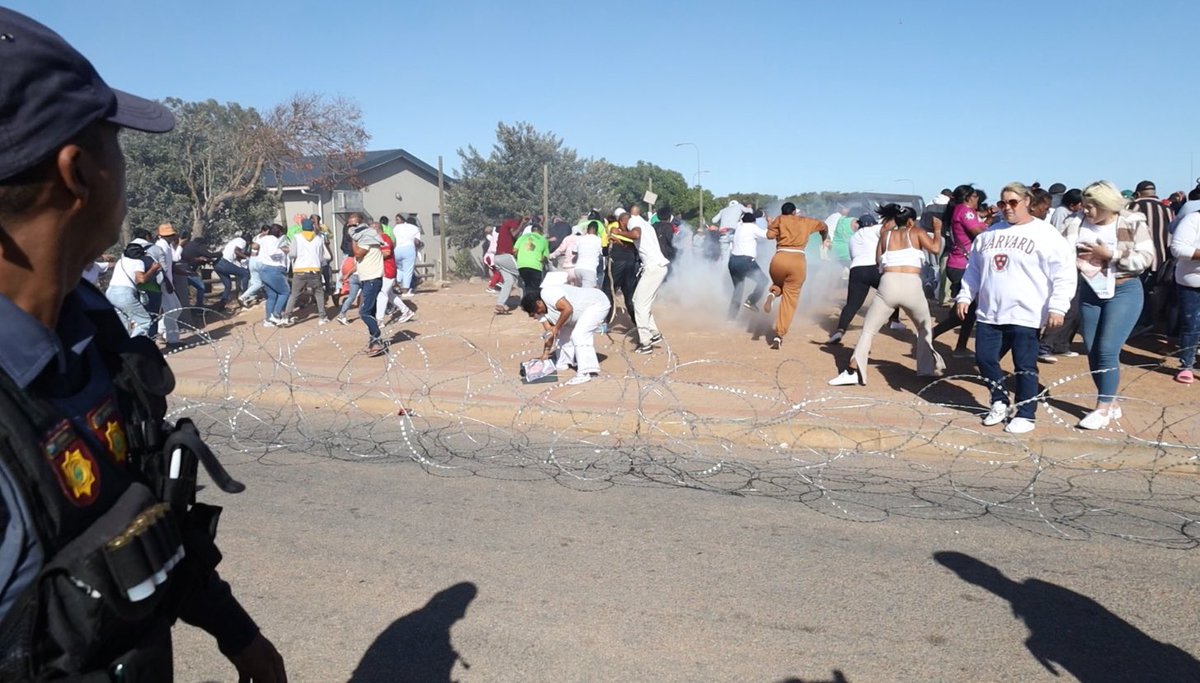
(103, 545)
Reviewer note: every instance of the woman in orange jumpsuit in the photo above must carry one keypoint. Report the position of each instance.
(788, 265)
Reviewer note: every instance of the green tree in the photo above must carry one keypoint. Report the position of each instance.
(207, 174)
(508, 182)
(631, 182)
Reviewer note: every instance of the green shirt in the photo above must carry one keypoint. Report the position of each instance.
(531, 251)
(839, 246)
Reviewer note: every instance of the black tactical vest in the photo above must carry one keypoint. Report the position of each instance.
(123, 540)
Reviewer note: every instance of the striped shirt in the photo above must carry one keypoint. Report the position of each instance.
(1158, 217)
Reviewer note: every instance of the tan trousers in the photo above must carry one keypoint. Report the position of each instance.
(900, 290)
(788, 270)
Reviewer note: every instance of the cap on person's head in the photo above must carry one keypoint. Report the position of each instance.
(166, 230)
(1144, 186)
(618, 211)
(1128, 194)
(49, 93)
(1057, 188)
(866, 219)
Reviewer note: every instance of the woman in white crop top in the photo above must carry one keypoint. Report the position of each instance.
(900, 254)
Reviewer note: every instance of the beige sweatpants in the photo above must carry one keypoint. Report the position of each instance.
(900, 290)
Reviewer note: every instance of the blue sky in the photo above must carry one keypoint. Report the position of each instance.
(780, 97)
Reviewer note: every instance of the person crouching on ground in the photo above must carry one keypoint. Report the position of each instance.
(900, 257)
(572, 317)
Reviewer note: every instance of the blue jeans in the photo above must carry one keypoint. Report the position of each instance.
(351, 295)
(274, 278)
(366, 310)
(740, 268)
(1106, 325)
(991, 343)
(1189, 324)
(256, 283)
(193, 282)
(406, 260)
(227, 271)
(131, 309)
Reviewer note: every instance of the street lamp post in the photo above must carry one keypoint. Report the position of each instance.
(699, 187)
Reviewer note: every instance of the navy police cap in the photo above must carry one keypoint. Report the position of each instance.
(49, 93)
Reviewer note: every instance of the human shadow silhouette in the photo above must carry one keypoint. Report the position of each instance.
(1075, 633)
(417, 647)
(838, 677)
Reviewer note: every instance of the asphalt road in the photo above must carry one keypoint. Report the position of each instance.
(388, 571)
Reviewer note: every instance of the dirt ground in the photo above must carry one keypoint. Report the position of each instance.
(459, 358)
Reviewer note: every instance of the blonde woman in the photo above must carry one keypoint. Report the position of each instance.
(1113, 246)
(900, 254)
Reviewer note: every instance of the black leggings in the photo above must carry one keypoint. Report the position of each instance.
(951, 321)
(623, 274)
(862, 280)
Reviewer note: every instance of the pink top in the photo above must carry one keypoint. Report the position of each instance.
(964, 219)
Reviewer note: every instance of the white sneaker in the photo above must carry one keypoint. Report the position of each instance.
(581, 379)
(847, 378)
(268, 323)
(836, 337)
(1020, 425)
(323, 321)
(898, 326)
(1097, 419)
(996, 415)
(408, 316)
(1071, 354)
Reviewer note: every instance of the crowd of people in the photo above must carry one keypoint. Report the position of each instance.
(1022, 277)
(149, 282)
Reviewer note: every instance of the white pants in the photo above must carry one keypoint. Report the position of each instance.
(643, 300)
(170, 316)
(577, 341)
(586, 276)
(387, 294)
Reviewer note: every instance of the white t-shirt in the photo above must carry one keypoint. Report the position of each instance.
(580, 298)
(125, 271)
(862, 246)
(745, 239)
(269, 253)
(229, 253)
(587, 252)
(406, 234)
(647, 245)
(1184, 243)
(168, 260)
(94, 270)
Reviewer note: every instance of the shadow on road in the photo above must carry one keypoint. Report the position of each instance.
(1073, 632)
(416, 647)
(838, 677)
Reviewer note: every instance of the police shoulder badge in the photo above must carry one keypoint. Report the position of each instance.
(74, 466)
(105, 422)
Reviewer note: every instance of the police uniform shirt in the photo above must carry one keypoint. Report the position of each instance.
(65, 366)
(64, 358)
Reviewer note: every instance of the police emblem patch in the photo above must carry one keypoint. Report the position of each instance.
(73, 465)
(105, 423)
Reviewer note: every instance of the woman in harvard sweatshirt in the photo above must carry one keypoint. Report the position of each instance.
(1021, 274)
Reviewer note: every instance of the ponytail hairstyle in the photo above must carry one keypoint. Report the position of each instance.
(960, 195)
(905, 216)
(889, 211)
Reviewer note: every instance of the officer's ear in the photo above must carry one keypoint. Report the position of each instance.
(72, 165)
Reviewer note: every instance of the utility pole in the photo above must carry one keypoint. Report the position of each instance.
(442, 220)
(546, 198)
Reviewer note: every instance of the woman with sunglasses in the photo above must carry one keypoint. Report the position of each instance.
(1113, 247)
(899, 255)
